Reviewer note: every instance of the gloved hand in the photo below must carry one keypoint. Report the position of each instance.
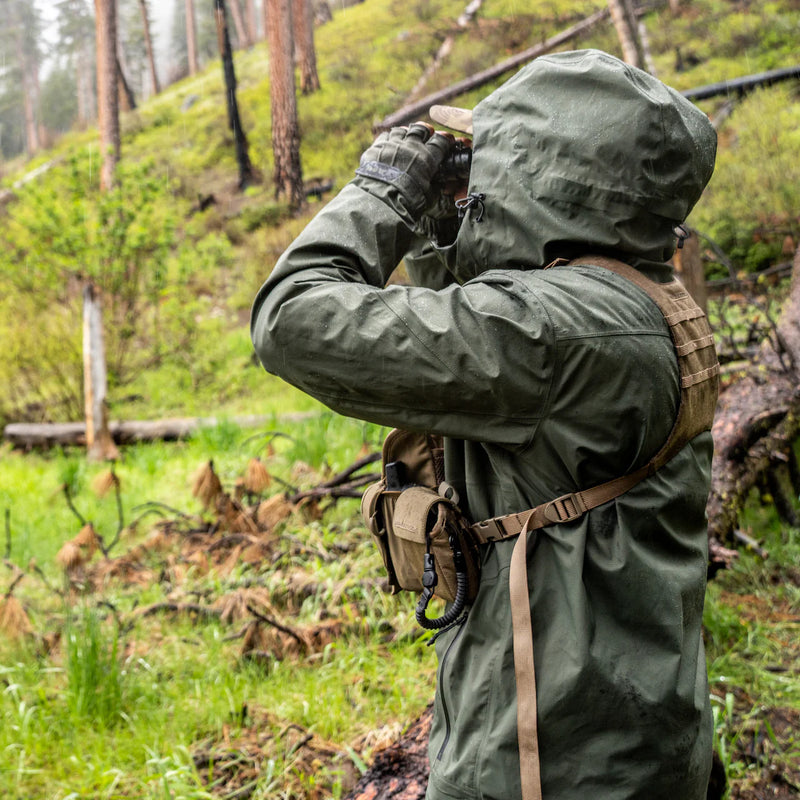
(399, 168)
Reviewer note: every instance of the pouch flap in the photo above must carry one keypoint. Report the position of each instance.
(419, 453)
(411, 512)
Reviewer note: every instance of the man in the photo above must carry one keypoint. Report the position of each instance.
(544, 382)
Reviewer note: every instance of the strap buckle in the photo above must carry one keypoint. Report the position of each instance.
(489, 530)
(566, 508)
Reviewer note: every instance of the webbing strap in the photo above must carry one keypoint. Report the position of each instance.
(566, 508)
(525, 674)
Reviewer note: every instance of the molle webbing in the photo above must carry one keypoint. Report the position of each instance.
(699, 385)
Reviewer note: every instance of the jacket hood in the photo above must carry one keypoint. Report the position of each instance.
(581, 153)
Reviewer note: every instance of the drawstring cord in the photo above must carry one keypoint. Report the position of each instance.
(472, 200)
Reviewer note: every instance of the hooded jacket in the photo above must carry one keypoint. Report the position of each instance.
(543, 382)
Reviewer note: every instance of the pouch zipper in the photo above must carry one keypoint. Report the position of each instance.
(446, 713)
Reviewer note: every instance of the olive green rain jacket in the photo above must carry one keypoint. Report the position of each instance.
(543, 382)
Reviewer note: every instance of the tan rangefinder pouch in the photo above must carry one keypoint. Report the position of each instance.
(425, 540)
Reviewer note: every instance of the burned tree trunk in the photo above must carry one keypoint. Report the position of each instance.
(246, 172)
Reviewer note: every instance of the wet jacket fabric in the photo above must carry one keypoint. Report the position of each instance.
(543, 382)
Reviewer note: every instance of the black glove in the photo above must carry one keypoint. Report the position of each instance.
(399, 168)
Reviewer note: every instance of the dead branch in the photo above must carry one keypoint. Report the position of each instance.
(68, 496)
(179, 608)
(277, 625)
(741, 86)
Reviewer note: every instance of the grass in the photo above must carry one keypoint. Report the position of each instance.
(129, 704)
(106, 702)
(752, 626)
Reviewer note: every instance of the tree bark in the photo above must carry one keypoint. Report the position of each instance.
(191, 37)
(251, 18)
(246, 173)
(127, 100)
(242, 36)
(285, 130)
(99, 443)
(107, 95)
(148, 43)
(30, 84)
(305, 52)
(688, 265)
(623, 16)
(758, 419)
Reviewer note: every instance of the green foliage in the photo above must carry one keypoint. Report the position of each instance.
(750, 206)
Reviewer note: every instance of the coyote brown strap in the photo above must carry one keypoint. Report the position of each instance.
(525, 674)
(698, 370)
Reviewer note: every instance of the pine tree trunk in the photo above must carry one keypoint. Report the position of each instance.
(238, 22)
(148, 43)
(623, 15)
(251, 19)
(28, 96)
(303, 24)
(285, 131)
(191, 37)
(107, 97)
(127, 100)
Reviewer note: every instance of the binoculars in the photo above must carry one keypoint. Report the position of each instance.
(457, 165)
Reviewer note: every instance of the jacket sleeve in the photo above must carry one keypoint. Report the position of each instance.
(449, 360)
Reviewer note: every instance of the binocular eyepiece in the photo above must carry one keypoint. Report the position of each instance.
(457, 165)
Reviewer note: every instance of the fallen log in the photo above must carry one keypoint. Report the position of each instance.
(420, 108)
(739, 87)
(757, 422)
(30, 435)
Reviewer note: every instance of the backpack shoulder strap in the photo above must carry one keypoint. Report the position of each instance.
(699, 387)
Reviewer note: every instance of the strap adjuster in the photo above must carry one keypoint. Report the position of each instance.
(565, 508)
